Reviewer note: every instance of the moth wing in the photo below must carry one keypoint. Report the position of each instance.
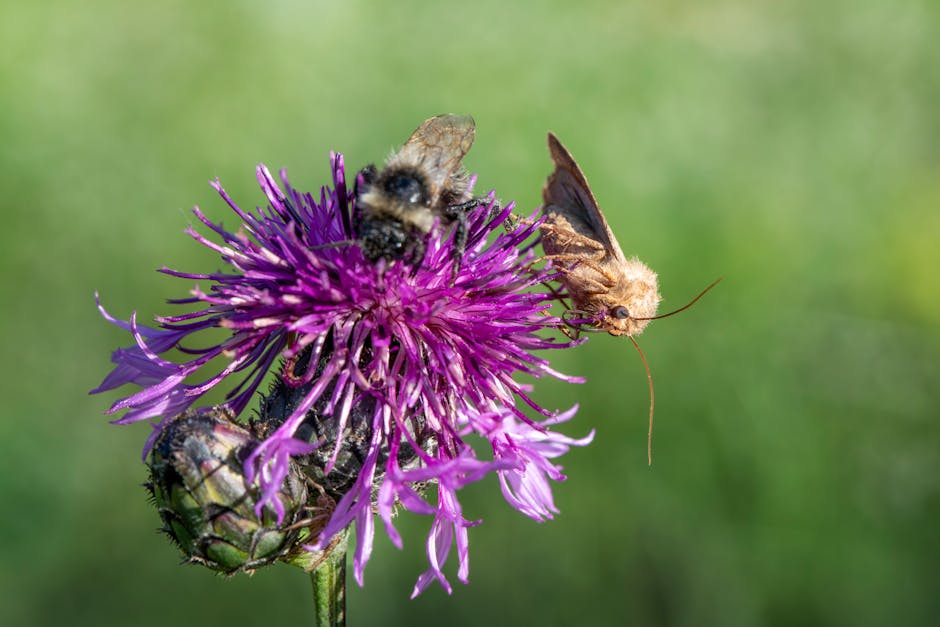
(567, 193)
(438, 147)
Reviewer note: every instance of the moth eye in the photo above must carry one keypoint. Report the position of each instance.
(620, 312)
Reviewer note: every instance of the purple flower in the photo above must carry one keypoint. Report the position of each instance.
(430, 359)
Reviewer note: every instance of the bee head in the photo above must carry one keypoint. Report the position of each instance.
(405, 185)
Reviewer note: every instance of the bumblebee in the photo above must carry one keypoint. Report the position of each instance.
(395, 207)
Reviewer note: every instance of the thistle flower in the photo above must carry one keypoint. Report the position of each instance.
(391, 364)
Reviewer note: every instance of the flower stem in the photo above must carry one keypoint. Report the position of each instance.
(329, 588)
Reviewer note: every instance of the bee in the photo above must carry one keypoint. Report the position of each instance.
(609, 292)
(396, 207)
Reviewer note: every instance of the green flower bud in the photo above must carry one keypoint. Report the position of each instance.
(208, 509)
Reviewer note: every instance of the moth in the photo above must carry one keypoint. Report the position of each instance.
(396, 207)
(608, 291)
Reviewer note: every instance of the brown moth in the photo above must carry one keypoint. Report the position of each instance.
(616, 294)
(608, 291)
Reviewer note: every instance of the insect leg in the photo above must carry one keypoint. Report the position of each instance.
(460, 243)
(418, 249)
(364, 180)
(570, 237)
(458, 213)
(451, 211)
(578, 328)
(576, 260)
(564, 303)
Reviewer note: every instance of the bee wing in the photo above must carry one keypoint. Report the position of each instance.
(439, 145)
(567, 192)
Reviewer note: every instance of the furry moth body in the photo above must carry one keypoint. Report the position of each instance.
(611, 292)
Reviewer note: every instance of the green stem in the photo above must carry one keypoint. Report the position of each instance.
(329, 588)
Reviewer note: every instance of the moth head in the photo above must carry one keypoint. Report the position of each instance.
(630, 302)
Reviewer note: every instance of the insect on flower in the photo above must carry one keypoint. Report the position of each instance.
(384, 375)
(619, 296)
(609, 292)
(396, 207)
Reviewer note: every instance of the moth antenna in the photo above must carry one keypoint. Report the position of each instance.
(692, 302)
(649, 377)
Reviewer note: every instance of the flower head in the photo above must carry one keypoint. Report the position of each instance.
(402, 360)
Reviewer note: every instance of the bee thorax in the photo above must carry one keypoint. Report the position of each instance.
(376, 206)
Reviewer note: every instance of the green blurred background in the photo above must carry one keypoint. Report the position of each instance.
(792, 147)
